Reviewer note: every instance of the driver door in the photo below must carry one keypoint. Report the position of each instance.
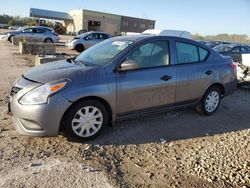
(27, 33)
(152, 84)
(91, 40)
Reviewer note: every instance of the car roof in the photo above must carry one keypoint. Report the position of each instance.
(43, 27)
(90, 32)
(141, 37)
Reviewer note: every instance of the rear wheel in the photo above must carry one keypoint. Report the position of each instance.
(85, 120)
(79, 48)
(210, 101)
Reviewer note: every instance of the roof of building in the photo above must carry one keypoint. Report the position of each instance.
(98, 12)
(34, 12)
(41, 13)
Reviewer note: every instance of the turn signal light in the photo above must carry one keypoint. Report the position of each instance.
(57, 87)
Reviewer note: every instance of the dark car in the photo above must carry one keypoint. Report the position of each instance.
(212, 44)
(233, 50)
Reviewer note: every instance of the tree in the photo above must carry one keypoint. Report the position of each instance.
(11, 22)
(224, 37)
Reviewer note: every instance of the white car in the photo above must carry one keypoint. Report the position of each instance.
(85, 40)
(14, 27)
(39, 33)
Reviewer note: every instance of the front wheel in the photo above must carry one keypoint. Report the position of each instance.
(10, 39)
(79, 48)
(210, 101)
(48, 41)
(85, 120)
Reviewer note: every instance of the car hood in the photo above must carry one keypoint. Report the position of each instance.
(13, 32)
(53, 71)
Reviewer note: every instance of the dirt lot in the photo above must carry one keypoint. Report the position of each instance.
(172, 149)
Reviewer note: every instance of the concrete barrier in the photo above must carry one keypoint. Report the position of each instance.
(47, 58)
(37, 48)
(16, 40)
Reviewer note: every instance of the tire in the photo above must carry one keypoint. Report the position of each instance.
(48, 41)
(210, 101)
(79, 127)
(10, 38)
(79, 48)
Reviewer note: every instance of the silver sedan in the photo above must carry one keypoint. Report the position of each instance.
(120, 78)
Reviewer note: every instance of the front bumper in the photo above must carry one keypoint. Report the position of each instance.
(70, 46)
(39, 120)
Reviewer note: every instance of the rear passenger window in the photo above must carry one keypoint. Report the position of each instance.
(40, 30)
(186, 53)
(243, 49)
(103, 36)
(203, 54)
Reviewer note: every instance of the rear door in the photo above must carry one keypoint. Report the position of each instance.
(193, 71)
(152, 84)
(39, 34)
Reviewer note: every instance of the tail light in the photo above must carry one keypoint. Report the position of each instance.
(233, 65)
(55, 33)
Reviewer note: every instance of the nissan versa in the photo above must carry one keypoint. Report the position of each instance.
(119, 78)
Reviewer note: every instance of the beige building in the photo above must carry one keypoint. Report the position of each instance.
(94, 21)
(87, 20)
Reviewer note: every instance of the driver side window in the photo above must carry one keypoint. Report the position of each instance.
(153, 54)
(89, 37)
(236, 49)
(28, 30)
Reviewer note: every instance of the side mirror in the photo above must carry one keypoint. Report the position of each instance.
(128, 65)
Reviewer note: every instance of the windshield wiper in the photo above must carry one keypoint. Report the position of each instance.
(73, 60)
(81, 62)
(70, 60)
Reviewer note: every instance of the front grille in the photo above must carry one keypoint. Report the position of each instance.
(14, 90)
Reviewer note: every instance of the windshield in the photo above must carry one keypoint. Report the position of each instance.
(223, 48)
(102, 53)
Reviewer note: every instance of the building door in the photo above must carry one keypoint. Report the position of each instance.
(111, 28)
(94, 25)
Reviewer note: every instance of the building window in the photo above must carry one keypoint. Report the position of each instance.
(135, 24)
(150, 27)
(143, 26)
(125, 23)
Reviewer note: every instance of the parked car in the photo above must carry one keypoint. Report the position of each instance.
(85, 40)
(212, 44)
(4, 26)
(173, 33)
(233, 50)
(243, 74)
(82, 31)
(120, 78)
(43, 34)
(14, 27)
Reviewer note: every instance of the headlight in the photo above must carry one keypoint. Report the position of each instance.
(40, 94)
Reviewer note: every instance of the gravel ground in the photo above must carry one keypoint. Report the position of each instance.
(171, 149)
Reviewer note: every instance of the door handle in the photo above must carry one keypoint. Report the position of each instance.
(166, 77)
(209, 72)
